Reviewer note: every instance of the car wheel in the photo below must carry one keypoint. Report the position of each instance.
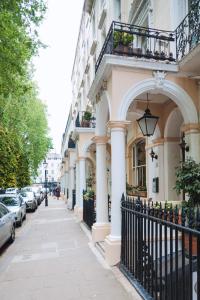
(20, 222)
(12, 234)
(25, 217)
(34, 209)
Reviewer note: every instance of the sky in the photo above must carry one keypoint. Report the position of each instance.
(53, 66)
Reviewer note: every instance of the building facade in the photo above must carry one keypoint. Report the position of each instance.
(53, 161)
(130, 55)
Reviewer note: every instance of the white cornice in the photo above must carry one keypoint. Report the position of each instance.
(109, 61)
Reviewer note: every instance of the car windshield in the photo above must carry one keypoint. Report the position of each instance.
(10, 201)
(23, 194)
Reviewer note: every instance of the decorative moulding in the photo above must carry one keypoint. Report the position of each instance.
(102, 18)
(93, 47)
(87, 68)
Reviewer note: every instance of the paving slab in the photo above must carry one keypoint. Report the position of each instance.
(51, 260)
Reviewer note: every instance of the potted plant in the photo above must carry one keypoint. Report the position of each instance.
(86, 119)
(188, 181)
(89, 195)
(122, 41)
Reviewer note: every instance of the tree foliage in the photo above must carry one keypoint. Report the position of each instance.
(24, 139)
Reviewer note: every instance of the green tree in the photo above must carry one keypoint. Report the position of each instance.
(24, 139)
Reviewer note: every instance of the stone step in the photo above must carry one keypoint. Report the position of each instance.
(101, 248)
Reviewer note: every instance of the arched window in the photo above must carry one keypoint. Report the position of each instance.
(139, 164)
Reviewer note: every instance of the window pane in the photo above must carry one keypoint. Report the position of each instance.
(141, 154)
(133, 156)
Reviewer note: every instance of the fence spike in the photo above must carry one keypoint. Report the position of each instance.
(171, 213)
(183, 216)
(165, 213)
(176, 214)
(191, 217)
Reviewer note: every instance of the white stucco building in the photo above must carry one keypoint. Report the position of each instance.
(121, 61)
(53, 168)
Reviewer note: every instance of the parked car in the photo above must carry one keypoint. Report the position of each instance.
(29, 199)
(38, 195)
(7, 225)
(15, 204)
(11, 191)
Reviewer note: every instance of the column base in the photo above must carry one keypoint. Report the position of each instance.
(112, 250)
(76, 210)
(69, 203)
(100, 231)
(79, 214)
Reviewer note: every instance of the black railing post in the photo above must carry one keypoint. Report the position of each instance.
(73, 198)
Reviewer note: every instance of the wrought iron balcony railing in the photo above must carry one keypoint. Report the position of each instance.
(85, 119)
(131, 40)
(188, 32)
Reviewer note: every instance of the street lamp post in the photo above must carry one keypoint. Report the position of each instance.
(45, 164)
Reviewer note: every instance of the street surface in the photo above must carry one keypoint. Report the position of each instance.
(51, 260)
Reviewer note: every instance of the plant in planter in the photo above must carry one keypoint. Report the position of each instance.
(122, 41)
(188, 180)
(86, 119)
(89, 195)
(136, 190)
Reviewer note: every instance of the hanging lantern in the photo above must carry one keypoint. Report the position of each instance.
(147, 122)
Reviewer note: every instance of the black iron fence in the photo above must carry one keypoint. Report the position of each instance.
(89, 209)
(73, 198)
(188, 32)
(109, 208)
(160, 250)
(85, 119)
(131, 40)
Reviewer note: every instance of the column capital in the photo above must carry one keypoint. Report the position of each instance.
(100, 139)
(81, 158)
(118, 124)
(155, 143)
(190, 128)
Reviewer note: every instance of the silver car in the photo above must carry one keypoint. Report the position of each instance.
(7, 225)
(29, 199)
(15, 204)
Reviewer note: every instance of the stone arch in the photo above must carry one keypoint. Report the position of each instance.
(173, 123)
(85, 147)
(166, 87)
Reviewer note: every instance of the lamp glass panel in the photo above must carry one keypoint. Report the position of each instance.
(150, 125)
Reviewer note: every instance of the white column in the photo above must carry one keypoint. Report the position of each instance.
(77, 183)
(118, 173)
(102, 227)
(71, 187)
(82, 178)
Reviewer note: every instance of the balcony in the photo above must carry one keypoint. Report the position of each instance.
(136, 41)
(188, 40)
(85, 119)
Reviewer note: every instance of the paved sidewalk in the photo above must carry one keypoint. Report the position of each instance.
(51, 260)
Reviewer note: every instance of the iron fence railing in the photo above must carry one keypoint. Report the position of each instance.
(188, 32)
(85, 119)
(132, 40)
(73, 198)
(89, 210)
(109, 208)
(160, 250)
